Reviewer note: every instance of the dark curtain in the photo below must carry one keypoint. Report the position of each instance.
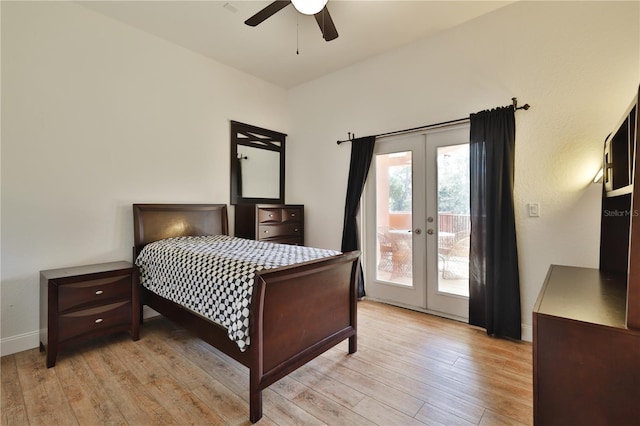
(494, 285)
(361, 154)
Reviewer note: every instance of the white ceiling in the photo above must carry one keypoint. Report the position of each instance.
(366, 28)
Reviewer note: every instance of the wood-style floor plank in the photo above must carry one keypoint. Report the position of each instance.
(88, 401)
(44, 398)
(13, 407)
(133, 398)
(410, 369)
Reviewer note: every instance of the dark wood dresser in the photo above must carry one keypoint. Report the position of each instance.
(276, 223)
(586, 322)
(586, 360)
(85, 302)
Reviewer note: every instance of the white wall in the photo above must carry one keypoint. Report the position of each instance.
(576, 63)
(96, 116)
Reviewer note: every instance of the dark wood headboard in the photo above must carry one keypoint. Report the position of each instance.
(153, 222)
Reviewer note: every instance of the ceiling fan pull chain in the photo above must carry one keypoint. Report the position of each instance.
(297, 35)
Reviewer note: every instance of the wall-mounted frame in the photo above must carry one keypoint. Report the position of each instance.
(257, 164)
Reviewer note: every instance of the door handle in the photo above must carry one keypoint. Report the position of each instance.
(430, 231)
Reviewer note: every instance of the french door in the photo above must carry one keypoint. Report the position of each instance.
(416, 222)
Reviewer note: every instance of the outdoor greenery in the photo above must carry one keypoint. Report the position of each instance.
(400, 188)
(453, 183)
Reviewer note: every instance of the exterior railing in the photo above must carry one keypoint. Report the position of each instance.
(453, 223)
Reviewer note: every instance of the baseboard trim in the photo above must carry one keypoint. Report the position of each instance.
(527, 332)
(18, 343)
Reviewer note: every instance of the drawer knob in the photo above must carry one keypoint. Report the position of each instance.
(293, 215)
(266, 232)
(270, 214)
(99, 292)
(296, 230)
(99, 320)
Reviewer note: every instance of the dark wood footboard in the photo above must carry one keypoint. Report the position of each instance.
(300, 312)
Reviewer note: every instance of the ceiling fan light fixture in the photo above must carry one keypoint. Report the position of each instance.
(309, 7)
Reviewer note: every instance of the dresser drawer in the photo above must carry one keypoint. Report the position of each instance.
(266, 232)
(291, 215)
(269, 215)
(93, 292)
(293, 241)
(91, 320)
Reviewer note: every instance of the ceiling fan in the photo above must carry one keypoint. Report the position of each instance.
(317, 8)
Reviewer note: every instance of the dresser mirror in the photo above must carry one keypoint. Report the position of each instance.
(257, 165)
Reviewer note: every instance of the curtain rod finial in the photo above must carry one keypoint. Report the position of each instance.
(516, 107)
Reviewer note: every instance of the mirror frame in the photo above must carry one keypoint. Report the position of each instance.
(255, 137)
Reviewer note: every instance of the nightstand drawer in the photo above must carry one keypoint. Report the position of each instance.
(93, 292)
(91, 320)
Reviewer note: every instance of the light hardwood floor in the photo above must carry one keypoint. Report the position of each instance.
(410, 369)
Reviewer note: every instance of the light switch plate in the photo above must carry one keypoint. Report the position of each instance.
(534, 209)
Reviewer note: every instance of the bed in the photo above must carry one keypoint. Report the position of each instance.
(296, 312)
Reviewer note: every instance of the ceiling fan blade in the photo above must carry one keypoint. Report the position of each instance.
(326, 24)
(267, 12)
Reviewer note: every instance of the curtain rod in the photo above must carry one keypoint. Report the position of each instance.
(428, 126)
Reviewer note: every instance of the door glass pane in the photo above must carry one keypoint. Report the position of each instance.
(394, 174)
(454, 225)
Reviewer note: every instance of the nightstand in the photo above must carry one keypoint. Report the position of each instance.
(85, 302)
